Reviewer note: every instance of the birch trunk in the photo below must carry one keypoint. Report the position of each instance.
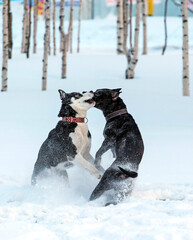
(10, 30)
(125, 23)
(5, 46)
(49, 43)
(186, 91)
(35, 26)
(132, 60)
(28, 34)
(88, 9)
(165, 27)
(119, 26)
(61, 27)
(79, 25)
(54, 27)
(130, 23)
(70, 31)
(144, 9)
(64, 54)
(24, 28)
(46, 43)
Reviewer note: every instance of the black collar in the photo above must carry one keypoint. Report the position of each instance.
(116, 113)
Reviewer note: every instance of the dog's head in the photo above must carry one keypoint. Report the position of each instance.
(106, 97)
(75, 103)
(114, 178)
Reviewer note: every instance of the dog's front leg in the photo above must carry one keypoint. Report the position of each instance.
(79, 160)
(104, 147)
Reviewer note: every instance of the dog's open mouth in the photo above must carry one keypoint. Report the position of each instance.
(90, 101)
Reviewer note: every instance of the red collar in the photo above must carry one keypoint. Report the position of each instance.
(74, 119)
(116, 113)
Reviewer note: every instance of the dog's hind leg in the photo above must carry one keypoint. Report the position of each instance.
(35, 174)
(38, 168)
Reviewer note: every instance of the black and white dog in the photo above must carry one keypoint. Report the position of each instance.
(70, 141)
(123, 137)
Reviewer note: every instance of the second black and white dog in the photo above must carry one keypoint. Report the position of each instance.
(123, 137)
(70, 141)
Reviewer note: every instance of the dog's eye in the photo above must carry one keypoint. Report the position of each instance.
(97, 94)
(77, 96)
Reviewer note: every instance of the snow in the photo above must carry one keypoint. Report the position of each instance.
(161, 206)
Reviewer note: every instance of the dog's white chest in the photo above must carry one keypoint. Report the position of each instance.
(80, 137)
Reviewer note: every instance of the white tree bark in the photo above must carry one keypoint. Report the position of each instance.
(79, 25)
(120, 34)
(144, 13)
(46, 44)
(70, 30)
(54, 26)
(5, 46)
(49, 37)
(132, 56)
(125, 24)
(64, 54)
(61, 27)
(186, 91)
(24, 28)
(88, 8)
(28, 35)
(35, 26)
(10, 30)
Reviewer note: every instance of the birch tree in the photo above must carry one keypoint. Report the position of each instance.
(64, 54)
(54, 27)
(46, 44)
(49, 37)
(28, 32)
(79, 25)
(10, 29)
(120, 26)
(35, 26)
(61, 27)
(88, 8)
(125, 23)
(5, 46)
(144, 14)
(130, 22)
(165, 27)
(185, 49)
(132, 54)
(70, 29)
(24, 28)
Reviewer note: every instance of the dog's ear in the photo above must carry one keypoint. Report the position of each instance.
(62, 94)
(115, 93)
(129, 173)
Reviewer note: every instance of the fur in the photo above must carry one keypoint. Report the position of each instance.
(123, 137)
(69, 142)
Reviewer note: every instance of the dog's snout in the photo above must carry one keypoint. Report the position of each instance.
(91, 91)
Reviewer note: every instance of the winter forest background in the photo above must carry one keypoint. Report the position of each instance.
(161, 205)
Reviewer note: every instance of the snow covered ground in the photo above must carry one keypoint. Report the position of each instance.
(161, 206)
